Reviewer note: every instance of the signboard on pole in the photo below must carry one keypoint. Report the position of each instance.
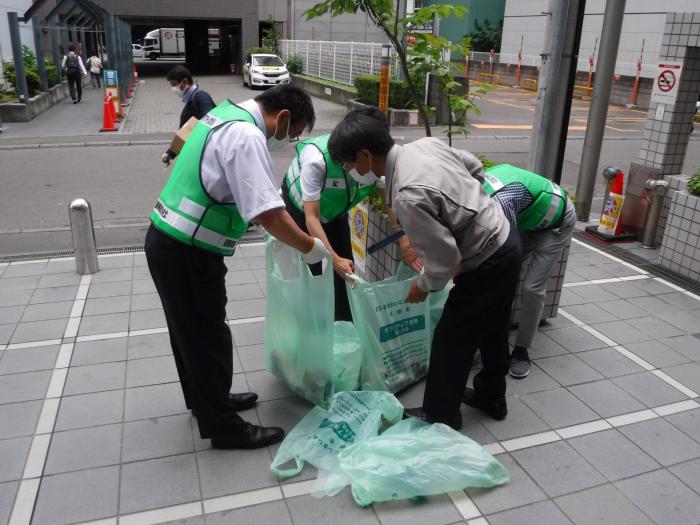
(110, 78)
(384, 80)
(359, 225)
(666, 82)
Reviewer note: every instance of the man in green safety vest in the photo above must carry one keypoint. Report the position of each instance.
(318, 193)
(223, 179)
(545, 217)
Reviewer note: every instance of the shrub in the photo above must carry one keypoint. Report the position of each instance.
(295, 64)
(368, 90)
(694, 184)
(31, 72)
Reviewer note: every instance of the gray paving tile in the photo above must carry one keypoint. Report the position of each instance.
(267, 386)
(240, 277)
(157, 437)
(256, 262)
(590, 272)
(656, 353)
(11, 314)
(107, 305)
(688, 473)
(603, 504)
(109, 275)
(84, 448)
(13, 454)
(143, 286)
(140, 259)
(285, 413)
(554, 323)
(59, 279)
(568, 369)
(60, 266)
(89, 410)
(686, 345)
(7, 498)
(116, 261)
(158, 483)
(651, 286)
(625, 290)
(686, 322)
(234, 264)
(154, 401)
(104, 324)
(541, 513)
(150, 371)
(621, 332)
(614, 455)
(609, 362)
(245, 308)
(140, 272)
(248, 333)
(557, 468)
(687, 374)
(536, 381)
(104, 351)
(54, 294)
(39, 330)
(622, 309)
(239, 292)
(24, 387)
(570, 297)
(544, 346)
(196, 520)
(109, 289)
(19, 419)
(19, 283)
(273, 513)
(559, 408)
(216, 468)
(252, 357)
(681, 301)
(606, 398)
(662, 441)
(98, 489)
(149, 346)
(15, 297)
(589, 313)
(595, 293)
(520, 421)
(95, 378)
(688, 422)
(144, 319)
(419, 511)
(255, 250)
(520, 490)
(650, 304)
(44, 311)
(575, 339)
(28, 359)
(145, 301)
(23, 270)
(649, 389)
(662, 497)
(339, 510)
(6, 331)
(654, 327)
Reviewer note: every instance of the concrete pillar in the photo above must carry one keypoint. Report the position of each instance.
(16, 41)
(38, 46)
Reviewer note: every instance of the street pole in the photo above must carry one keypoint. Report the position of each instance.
(559, 62)
(16, 42)
(598, 113)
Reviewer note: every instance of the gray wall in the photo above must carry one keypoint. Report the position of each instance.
(345, 28)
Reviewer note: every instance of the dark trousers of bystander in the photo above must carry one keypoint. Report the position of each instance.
(95, 79)
(192, 287)
(75, 85)
(476, 315)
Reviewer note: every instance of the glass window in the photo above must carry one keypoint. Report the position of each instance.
(267, 61)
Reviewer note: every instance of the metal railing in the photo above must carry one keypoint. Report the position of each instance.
(342, 62)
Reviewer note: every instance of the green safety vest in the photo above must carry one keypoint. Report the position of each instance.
(548, 198)
(340, 191)
(184, 210)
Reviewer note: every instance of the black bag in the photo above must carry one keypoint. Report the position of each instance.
(72, 65)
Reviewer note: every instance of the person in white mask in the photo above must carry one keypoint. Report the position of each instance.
(319, 193)
(224, 178)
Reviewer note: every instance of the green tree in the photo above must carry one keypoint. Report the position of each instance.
(385, 15)
(271, 35)
(486, 37)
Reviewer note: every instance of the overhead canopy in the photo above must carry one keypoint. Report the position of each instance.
(79, 13)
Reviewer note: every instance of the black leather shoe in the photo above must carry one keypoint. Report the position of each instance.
(419, 413)
(250, 436)
(242, 401)
(496, 408)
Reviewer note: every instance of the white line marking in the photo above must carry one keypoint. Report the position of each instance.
(58, 380)
(33, 344)
(533, 440)
(47, 418)
(148, 331)
(494, 448)
(675, 408)
(100, 337)
(595, 333)
(583, 429)
(24, 502)
(632, 417)
(246, 320)
(236, 501)
(571, 318)
(464, 504)
(64, 355)
(72, 327)
(37, 456)
(291, 490)
(611, 257)
(675, 384)
(176, 512)
(670, 285)
(634, 357)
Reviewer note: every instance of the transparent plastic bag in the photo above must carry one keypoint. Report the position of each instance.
(347, 357)
(413, 458)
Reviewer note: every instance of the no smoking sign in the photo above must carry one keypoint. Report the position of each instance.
(666, 83)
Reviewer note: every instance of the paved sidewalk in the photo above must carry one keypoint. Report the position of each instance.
(93, 425)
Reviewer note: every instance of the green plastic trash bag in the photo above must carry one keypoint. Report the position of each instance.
(299, 324)
(323, 434)
(395, 335)
(347, 357)
(413, 458)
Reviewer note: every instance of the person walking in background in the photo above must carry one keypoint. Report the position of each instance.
(197, 101)
(75, 71)
(95, 66)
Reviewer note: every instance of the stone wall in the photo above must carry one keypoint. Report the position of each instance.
(680, 248)
(19, 112)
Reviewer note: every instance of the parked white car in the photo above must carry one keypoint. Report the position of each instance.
(264, 70)
(137, 50)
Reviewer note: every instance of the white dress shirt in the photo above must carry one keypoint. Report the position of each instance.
(237, 167)
(313, 173)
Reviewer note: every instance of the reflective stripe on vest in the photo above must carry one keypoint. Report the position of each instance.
(553, 207)
(189, 228)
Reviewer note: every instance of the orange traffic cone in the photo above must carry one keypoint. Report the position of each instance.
(136, 74)
(112, 111)
(107, 120)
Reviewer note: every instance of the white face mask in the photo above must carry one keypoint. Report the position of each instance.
(367, 179)
(275, 144)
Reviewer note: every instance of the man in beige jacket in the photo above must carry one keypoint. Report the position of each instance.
(455, 229)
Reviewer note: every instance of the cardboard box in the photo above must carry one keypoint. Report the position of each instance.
(181, 135)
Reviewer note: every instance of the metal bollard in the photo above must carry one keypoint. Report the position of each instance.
(651, 224)
(83, 237)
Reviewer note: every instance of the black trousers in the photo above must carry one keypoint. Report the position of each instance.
(338, 233)
(476, 315)
(75, 85)
(191, 285)
(95, 79)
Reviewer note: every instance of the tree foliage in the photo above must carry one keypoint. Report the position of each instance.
(487, 36)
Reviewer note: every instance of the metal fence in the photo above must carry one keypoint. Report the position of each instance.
(344, 61)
